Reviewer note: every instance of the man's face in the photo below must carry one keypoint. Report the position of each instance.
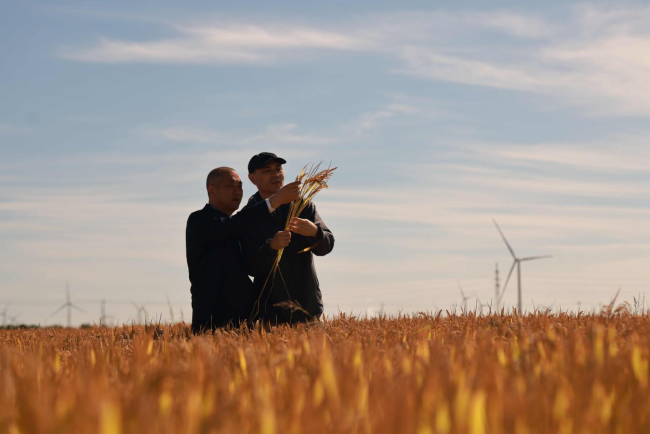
(269, 179)
(228, 193)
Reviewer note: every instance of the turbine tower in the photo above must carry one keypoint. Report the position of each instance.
(103, 319)
(67, 304)
(496, 286)
(517, 262)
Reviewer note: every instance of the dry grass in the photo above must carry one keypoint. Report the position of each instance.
(458, 373)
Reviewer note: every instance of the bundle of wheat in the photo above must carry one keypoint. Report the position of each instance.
(313, 181)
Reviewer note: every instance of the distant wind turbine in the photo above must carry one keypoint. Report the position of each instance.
(69, 305)
(13, 319)
(478, 302)
(465, 298)
(4, 314)
(103, 318)
(517, 262)
(141, 310)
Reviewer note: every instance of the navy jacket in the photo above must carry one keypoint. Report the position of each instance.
(222, 292)
(298, 282)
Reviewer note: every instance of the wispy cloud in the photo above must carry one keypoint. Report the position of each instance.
(598, 157)
(425, 63)
(220, 44)
(232, 42)
(288, 134)
(597, 62)
(426, 26)
(594, 58)
(399, 106)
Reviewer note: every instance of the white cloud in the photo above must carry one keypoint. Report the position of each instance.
(370, 120)
(170, 51)
(400, 106)
(278, 36)
(594, 58)
(396, 28)
(250, 43)
(597, 157)
(425, 63)
(219, 44)
(286, 133)
(599, 63)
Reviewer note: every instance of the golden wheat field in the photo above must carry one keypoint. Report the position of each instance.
(422, 374)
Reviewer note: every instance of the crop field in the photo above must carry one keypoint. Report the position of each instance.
(444, 373)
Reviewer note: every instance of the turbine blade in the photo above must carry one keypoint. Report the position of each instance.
(58, 310)
(503, 291)
(532, 258)
(460, 288)
(512, 252)
(78, 308)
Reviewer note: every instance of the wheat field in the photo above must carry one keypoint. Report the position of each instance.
(443, 373)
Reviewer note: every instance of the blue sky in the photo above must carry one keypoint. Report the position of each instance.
(440, 118)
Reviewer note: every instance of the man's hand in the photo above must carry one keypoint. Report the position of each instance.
(280, 240)
(303, 227)
(286, 194)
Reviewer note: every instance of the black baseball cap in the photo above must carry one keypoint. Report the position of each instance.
(258, 161)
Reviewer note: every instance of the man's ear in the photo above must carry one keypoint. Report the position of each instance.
(211, 190)
(251, 177)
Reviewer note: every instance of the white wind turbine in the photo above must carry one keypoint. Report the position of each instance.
(463, 296)
(4, 315)
(517, 262)
(14, 319)
(103, 319)
(68, 304)
(141, 310)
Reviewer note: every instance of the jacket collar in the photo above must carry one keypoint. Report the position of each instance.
(255, 199)
(212, 210)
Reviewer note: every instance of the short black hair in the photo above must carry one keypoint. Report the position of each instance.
(216, 175)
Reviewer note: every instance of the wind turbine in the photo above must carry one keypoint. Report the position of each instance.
(14, 318)
(478, 301)
(517, 262)
(103, 317)
(4, 314)
(465, 298)
(140, 309)
(68, 304)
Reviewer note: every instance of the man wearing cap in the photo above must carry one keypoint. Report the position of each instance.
(294, 294)
(222, 293)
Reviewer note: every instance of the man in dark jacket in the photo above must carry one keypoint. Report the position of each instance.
(293, 294)
(221, 289)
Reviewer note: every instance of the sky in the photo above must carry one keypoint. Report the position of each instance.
(441, 117)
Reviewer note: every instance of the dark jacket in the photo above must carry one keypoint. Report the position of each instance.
(221, 289)
(297, 280)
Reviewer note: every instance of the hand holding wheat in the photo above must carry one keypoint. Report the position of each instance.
(280, 240)
(313, 181)
(303, 227)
